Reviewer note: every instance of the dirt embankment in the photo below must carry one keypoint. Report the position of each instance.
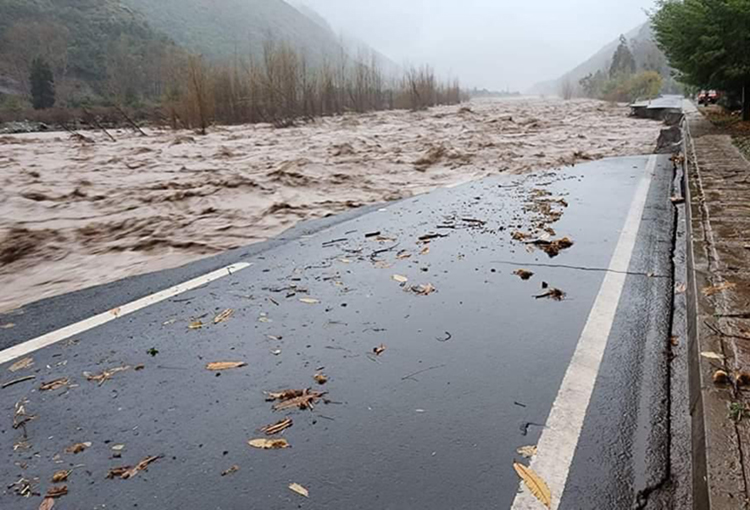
(76, 213)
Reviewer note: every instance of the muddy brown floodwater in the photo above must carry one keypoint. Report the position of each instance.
(75, 214)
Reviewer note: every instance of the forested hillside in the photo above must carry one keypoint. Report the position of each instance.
(92, 46)
(224, 28)
(647, 56)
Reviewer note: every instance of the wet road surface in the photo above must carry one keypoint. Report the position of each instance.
(470, 372)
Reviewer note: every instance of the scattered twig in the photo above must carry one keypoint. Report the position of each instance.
(334, 241)
(411, 376)
(19, 380)
(384, 250)
(448, 336)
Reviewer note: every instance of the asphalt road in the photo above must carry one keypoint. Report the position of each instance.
(470, 372)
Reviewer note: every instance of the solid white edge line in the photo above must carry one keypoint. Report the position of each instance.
(559, 438)
(79, 327)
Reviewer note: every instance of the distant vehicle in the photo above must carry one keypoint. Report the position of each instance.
(708, 97)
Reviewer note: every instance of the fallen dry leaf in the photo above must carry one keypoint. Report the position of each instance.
(195, 325)
(283, 395)
(523, 274)
(715, 289)
(554, 248)
(674, 340)
(126, 472)
(269, 444)
(320, 378)
(425, 250)
(21, 364)
(519, 236)
(105, 375)
(553, 293)
(536, 485)
(423, 290)
(60, 476)
(225, 365)
(47, 504)
(403, 254)
(118, 447)
(680, 288)
(677, 200)
(54, 385)
(380, 349)
(721, 377)
(223, 316)
(309, 301)
(8, 326)
(743, 379)
(712, 355)
(299, 490)
(116, 311)
(399, 278)
(305, 400)
(527, 451)
(271, 430)
(231, 470)
(56, 492)
(78, 447)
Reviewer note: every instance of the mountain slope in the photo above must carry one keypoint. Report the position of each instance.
(74, 36)
(643, 46)
(223, 28)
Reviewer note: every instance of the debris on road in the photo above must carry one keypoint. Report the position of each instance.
(552, 293)
(299, 490)
(712, 355)
(302, 399)
(399, 278)
(715, 289)
(269, 444)
(309, 301)
(225, 365)
(380, 349)
(54, 385)
(57, 491)
(553, 248)
(22, 364)
(195, 325)
(47, 504)
(23, 487)
(126, 472)
(231, 470)
(60, 476)
(535, 484)
(320, 378)
(448, 336)
(276, 428)
(16, 381)
(527, 451)
(226, 314)
(105, 375)
(721, 377)
(78, 447)
(153, 351)
(423, 290)
(523, 274)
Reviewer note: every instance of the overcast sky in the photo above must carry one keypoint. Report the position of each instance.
(496, 44)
